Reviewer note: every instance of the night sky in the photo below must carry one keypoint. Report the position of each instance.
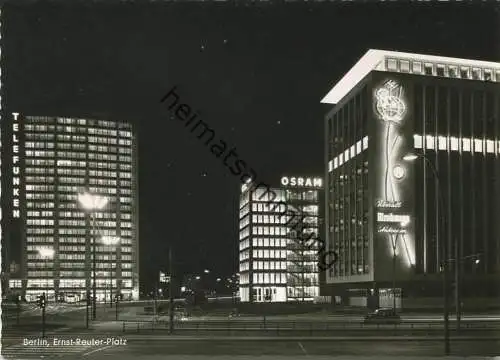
(256, 73)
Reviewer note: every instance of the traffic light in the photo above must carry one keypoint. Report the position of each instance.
(41, 301)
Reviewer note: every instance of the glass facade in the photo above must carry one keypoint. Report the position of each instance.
(54, 159)
(445, 113)
(276, 265)
(348, 187)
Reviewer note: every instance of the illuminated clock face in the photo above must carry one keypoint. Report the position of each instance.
(398, 172)
(389, 102)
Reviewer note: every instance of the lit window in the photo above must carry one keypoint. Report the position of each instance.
(429, 142)
(417, 67)
(488, 76)
(358, 147)
(346, 155)
(428, 69)
(490, 146)
(464, 72)
(330, 166)
(476, 74)
(417, 139)
(442, 143)
(440, 70)
(454, 143)
(453, 71)
(405, 66)
(392, 65)
(466, 144)
(353, 151)
(341, 159)
(478, 145)
(365, 143)
(335, 162)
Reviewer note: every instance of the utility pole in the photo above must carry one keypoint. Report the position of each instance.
(94, 285)
(394, 273)
(171, 292)
(42, 305)
(18, 308)
(116, 306)
(458, 307)
(446, 306)
(87, 304)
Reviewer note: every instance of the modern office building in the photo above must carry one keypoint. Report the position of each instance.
(48, 237)
(278, 247)
(412, 157)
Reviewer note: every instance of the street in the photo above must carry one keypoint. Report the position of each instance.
(157, 347)
(295, 335)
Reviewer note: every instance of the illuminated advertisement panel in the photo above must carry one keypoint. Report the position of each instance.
(393, 220)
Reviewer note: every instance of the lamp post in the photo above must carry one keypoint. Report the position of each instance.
(170, 293)
(411, 157)
(45, 253)
(110, 241)
(458, 262)
(92, 203)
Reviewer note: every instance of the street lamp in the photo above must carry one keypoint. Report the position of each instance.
(92, 203)
(110, 241)
(458, 262)
(45, 253)
(409, 158)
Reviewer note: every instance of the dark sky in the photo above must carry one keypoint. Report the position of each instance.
(255, 73)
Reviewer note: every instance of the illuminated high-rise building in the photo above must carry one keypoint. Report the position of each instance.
(48, 237)
(278, 244)
(412, 164)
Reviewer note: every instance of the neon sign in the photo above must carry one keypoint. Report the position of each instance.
(390, 105)
(393, 218)
(299, 181)
(390, 108)
(15, 167)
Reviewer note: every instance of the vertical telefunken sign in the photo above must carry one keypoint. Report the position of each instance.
(391, 219)
(16, 182)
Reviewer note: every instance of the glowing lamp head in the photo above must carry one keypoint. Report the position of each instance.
(46, 252)
(92, 202)
(110, 240)
(410, 157)
(477, 261)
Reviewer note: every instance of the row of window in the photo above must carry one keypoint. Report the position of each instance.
(74, 240)
(269, 230)
(82, 257)
(456, 144)
(263, 242)
(310, 195)
(348, 154)
(443, 70)
(269, 278)
(65, 283)
(82, 248)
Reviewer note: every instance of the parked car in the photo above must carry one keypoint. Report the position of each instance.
(383, 316)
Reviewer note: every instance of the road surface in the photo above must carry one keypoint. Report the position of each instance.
(161, 347)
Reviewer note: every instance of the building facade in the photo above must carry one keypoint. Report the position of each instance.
(412, 154)
(48, 237)
(278, 250)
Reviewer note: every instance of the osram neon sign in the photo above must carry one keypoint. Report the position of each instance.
(300, 181)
